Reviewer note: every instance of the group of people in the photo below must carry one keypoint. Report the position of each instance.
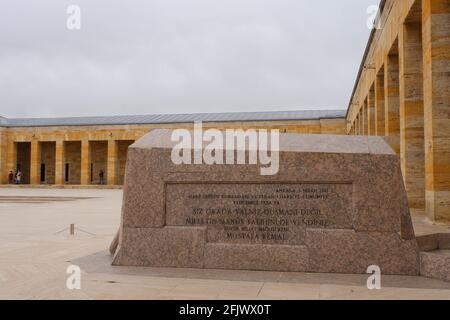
(15, 177)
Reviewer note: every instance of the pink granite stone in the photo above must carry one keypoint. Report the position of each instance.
(161, 247)
(345, 251)
(444, 241)
(337, 204)
(435, 265)
(256, 257)
(428, 242)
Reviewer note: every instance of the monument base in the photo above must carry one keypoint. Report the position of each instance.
(337, 205)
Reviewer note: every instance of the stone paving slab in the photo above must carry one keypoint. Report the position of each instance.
(33, 261)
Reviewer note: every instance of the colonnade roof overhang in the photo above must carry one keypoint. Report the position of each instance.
(366, 54)
(177, 118)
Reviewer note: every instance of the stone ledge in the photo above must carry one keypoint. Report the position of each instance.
(434, 241)
(435, 265)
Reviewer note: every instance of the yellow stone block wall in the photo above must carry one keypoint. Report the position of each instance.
(411, 49)
(3, 150)
(72, 157)
(436, 57)
(122, 149)
(89, 149)
(99, 160)
(412, 151)
(379, 105)
(24, 161)
(371, 111)
(392, 98)
(48, 152)
(332, 126)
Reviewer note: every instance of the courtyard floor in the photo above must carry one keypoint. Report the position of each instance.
(36, 249)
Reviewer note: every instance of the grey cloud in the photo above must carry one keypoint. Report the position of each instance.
(178, 56)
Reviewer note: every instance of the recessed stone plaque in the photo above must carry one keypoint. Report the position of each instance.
(261, 213)
(337, 204)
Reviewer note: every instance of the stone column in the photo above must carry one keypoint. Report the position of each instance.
(35, 162)
(392, 100)
(436, 64)
(361, 122)
(59, 162)
(357, 124)
(85, 162)
(412, 113)
(379, 105)
(365, 116)
(371, 112)
(11, 156)
(3, 149)
(112, 162)
(368, 118)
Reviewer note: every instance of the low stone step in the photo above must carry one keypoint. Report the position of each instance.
(435, 241)
(444, 241)
(435, 256)
(435, 264)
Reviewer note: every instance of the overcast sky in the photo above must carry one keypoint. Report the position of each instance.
(179, 56)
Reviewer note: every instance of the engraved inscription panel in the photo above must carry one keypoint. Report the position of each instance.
(259, 213)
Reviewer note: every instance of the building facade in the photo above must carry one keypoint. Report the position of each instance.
(73, 151)
(403, 92)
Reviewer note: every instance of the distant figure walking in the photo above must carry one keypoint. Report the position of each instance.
(11, 177)
(101, 175)
(18, 177)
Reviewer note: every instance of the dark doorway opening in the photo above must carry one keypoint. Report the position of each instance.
(24, 160)
(48, 162)
(66, 172)
(72, 157)
(42, 172)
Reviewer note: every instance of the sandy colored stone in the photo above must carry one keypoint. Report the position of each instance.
(109, 145)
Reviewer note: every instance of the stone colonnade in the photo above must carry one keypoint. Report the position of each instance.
(408, 67)
(75, 155)
(68, 162)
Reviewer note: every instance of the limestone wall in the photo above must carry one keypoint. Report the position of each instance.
(99, 160)
(72, 158)
(88, 149)
(24, 160)
(122, 155)
(48, 159)
(3, 145)
(408, 64)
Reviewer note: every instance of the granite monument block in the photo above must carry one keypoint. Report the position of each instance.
(336, 205)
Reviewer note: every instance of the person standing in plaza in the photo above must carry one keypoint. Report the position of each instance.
(101, 175)
(18, 177)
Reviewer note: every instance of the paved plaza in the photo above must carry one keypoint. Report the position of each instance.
(36, 249)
